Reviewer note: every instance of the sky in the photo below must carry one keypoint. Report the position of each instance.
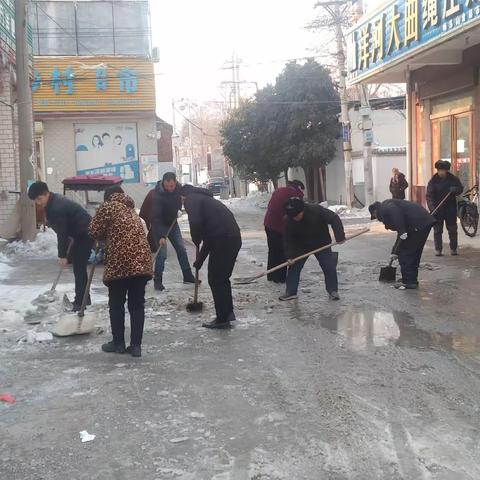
(197, 38)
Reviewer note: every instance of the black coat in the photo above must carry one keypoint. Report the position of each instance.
(165, 209)
(437, 189)
(397, 189)
(210, 220)
(403, 216)
(68, 219)
(312, 231)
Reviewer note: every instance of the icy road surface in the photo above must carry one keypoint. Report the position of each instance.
(381, 385)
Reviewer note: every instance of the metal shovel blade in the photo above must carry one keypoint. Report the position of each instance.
(388, 274)
(72, 324)
(193, 307)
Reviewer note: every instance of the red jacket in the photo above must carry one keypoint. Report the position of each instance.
(275, 210)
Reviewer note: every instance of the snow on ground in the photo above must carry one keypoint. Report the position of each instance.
(343, 211)
(44, 246)
(253, 203)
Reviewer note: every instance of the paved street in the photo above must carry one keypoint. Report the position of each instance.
(381, 385)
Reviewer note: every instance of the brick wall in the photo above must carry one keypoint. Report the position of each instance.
(9, 163)
(59, 140)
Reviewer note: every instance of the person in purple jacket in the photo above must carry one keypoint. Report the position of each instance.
(273, 223)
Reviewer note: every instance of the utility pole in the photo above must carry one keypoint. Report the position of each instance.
(25, 121)
(344, 118)
(367, 126)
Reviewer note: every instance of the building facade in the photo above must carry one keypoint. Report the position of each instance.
(434, 47)
(9, 159)
(94, 92)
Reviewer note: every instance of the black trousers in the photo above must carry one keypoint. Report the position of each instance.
(80, 254)
(276, 256)
(223, 254)
(118, 290)
(409, 254)
(450, 220)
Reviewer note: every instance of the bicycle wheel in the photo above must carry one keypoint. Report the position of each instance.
(469, 220)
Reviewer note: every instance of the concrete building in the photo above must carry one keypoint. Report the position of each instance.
(389, 150)
(434, 47)
(9, 160)
(94, 92)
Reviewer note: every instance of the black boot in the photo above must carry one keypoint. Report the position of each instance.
(135, 350)
(158, 283)
(112, 347)
(218, 325)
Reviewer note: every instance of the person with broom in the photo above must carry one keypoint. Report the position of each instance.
(273, 223)
(128, 267)
(443, 184)
(159, 211)
(412, 224)
(69, 221)
(306, 229)
(213, 226)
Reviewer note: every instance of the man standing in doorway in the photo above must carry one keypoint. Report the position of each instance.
(70, 222)
(160, 211)
(306, 229)
(273, 223)
(398, 184)
(443, 183)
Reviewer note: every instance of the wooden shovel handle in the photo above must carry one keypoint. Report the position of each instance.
(445, 198)
(306, 255)
(195, 295)
(81, 312)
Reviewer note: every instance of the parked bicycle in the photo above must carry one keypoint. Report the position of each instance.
(468, 211)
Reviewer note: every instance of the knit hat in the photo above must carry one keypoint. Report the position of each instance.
(373, 210)
(442, 165)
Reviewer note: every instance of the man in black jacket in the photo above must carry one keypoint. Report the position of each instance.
(160, 210)
(306, 229)
(443, 183)
(70, 222)
(213, 225)
(412, 224)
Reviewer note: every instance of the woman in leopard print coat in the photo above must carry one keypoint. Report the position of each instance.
(128, 267)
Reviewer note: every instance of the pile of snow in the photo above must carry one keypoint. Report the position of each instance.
(44, 246)
(344, 211)
(252, 203)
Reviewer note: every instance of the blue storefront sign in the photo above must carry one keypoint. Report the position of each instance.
(126, 170)
(403, 27)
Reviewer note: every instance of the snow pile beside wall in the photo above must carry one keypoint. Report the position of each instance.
(343, 211)
(44, 246)
(253, 203)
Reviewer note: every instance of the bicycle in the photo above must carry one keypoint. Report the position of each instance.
(468, 211)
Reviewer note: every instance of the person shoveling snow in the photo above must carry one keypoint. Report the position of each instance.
(69, 220)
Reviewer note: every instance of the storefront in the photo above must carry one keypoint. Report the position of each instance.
(95, 115)
(434, 47)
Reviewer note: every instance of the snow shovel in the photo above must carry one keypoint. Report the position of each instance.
(50, 296)
(195, 305)
(79, 323)
(244, 281)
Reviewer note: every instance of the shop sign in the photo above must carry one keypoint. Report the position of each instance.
(107, 149)
(92, 84)
(401, 28)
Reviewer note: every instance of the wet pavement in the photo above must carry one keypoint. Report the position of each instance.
(381, 385)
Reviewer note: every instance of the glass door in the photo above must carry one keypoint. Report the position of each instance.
(442, 140)
(463, 164)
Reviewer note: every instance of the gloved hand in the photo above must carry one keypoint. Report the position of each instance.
(393, 257)
(404, 236)
(197, 264)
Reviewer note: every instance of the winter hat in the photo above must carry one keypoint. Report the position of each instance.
(442, 165)
(294, 206)
(373, 209)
